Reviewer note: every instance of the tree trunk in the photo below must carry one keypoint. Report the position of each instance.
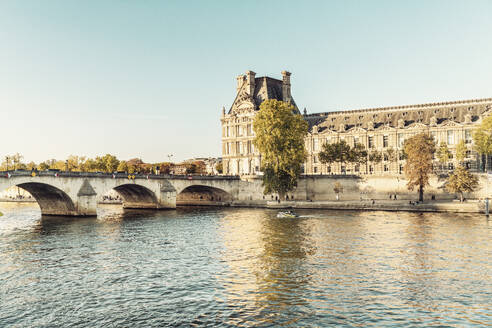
(461, 197)
(421, 193)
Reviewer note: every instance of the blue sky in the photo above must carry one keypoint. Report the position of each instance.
(149, 78)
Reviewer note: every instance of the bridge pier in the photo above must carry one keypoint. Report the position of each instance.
(167, 197)
(86, 205)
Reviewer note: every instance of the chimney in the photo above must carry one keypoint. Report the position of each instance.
(240, 80)
(250, 82)
(286, 86)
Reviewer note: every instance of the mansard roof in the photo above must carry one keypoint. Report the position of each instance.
(460, 112)
(265, 88)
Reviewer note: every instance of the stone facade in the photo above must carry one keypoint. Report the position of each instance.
(239, 156)
(381, 130)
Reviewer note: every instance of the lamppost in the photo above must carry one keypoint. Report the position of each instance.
(7, 161)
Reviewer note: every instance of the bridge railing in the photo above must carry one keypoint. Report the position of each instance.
(115, 175)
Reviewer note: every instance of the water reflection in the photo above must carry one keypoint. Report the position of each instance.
(244, 267)
(268, 278)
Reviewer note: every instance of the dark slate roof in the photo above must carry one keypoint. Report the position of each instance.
(455, 111)
(265, 88)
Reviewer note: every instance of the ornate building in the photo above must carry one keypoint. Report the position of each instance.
(381, 130)
(239, 155)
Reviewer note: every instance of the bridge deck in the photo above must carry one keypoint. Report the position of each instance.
(103, 175)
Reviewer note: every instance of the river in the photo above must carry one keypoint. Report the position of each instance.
(228, 267)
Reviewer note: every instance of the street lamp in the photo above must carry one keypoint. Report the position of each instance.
(7, 161)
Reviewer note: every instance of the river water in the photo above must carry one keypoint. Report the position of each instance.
(230, 267)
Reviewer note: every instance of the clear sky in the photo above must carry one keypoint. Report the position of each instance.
(149, 78)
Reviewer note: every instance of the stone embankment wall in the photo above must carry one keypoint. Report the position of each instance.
(355, 188)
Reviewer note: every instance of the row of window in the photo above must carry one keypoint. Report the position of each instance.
(240, 167)
(241, 148)
(343, 169)
(451, 138)
(386, 168)
(238, 130)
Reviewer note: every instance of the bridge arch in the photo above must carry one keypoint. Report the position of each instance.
(136, 196)
(203, 195)
(51, 200)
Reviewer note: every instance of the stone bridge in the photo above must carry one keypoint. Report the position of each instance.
(77, 193)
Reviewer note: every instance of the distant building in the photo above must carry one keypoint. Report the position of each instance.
(178, 169)
(207, 164)
(380, 130)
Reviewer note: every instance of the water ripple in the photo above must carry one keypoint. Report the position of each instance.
(208, 267)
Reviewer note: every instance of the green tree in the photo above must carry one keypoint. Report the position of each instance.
(419, 150)
(107, 163)
(43, 166)
(443, 153)
(461, 181)
(279, 137)
(7, 164)
(341, 152)
(17, 161)
(461, 151)
(375, 157)
(482, 139)
(338, 188)
(191, 168)
(219, 167)
(74, 163)
(31, 166)
(132, 168)
(123, 166)
(90, 165)
(165, 167)
(391, 154)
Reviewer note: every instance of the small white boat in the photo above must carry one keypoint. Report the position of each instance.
(287, 214)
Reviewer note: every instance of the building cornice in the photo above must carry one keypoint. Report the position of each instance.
(417, 106)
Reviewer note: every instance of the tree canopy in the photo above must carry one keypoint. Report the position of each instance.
(419, 150)
(107, 163)
(341, 152)
(461, 181)
(461, 151)
(443, 153)
(482, 138)
(279, 137)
